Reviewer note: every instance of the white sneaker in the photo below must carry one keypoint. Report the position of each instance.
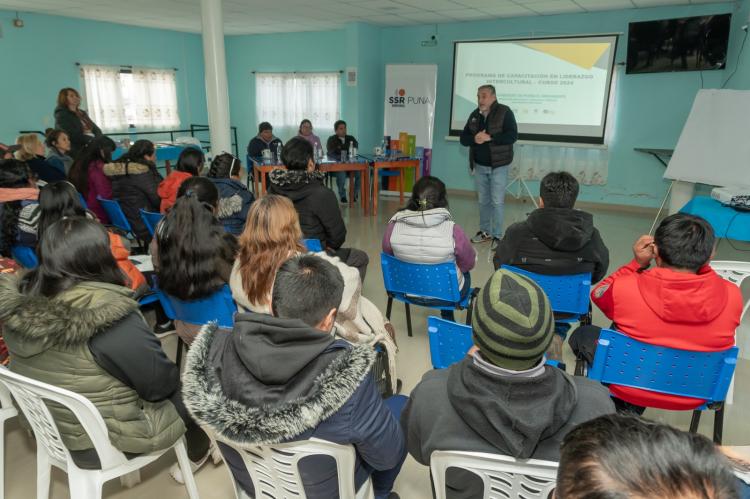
(176, 472)
(480, 237)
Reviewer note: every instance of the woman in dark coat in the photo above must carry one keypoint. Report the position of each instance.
(74, 121)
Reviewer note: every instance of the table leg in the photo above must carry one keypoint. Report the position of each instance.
(263, 182)
(375, 187)
(167, 166)
(365, 188)
(351, 189)
(401, 180)
(255, 181)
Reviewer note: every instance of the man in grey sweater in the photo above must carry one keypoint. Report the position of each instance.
(502, 399)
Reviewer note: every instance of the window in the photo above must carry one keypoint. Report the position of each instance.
(117, 98)
(285, 99)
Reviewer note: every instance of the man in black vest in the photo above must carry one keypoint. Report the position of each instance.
(489, 134)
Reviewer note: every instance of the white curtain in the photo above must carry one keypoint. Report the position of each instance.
(589, 166)
(154, 98)
(104, 97)
(285, 99)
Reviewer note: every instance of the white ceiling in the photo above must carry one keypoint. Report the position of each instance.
(278, 16)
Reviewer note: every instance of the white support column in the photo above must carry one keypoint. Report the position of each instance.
(217, 93)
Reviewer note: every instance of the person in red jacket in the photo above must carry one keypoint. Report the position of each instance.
(680, 303)
(189, 164)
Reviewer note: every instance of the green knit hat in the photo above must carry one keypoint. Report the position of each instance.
(513, 322)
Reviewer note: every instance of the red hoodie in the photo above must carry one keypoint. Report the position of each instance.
(168, 188)
(659, 306)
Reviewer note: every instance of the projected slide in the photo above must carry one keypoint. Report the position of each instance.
(558, 88)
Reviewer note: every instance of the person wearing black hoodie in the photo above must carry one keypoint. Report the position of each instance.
(284, 377)
(502, 398)
(555, 239)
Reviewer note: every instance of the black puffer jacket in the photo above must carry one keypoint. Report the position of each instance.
(316, 204)
(67, 120)
(555, 241)
(134, 185)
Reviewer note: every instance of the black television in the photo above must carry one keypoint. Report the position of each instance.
(685, 44)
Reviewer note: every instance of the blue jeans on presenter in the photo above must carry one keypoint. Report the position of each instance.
(491, 184)
(341, 183)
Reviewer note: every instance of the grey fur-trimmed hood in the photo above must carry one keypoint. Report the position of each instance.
(268, 424)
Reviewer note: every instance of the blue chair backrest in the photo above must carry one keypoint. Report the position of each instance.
(438, 281)
(151, 220)
(621, 360)
(567, 293)
(219, 308)
(114, 212)
(25, 256)
(83, 201)
(313, 245)
(449, 341)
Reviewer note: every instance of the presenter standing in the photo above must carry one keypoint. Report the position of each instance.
(490, 133)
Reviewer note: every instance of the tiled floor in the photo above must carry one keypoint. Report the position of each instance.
(619, 230)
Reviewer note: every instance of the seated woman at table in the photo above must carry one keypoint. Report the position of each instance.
(234, 198)
(306, 132)
(135, 181)
(424, 232)
(319, 214)
(189, 164)
(264, 140)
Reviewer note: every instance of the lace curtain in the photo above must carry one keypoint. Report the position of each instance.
(154, 98)
(104, 97)
(589, 166)
(285, 99)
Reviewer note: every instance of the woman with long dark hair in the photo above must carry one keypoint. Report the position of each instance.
(234, 198)
(87, 174)
(189, 164)
(19, 209)
(72, 323)
(135, 181)
(192, 253)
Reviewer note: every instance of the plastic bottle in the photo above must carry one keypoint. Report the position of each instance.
(351, 151)
(278, 152)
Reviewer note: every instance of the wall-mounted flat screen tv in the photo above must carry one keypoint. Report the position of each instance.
(685, 44)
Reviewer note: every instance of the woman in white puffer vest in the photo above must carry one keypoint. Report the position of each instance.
(424, 232)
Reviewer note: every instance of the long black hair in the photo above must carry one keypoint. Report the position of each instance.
(224, 166)
(13, 174)
(57, 200)
(73, 250)
(428, 193)
(137, 154)
(192, 243)
(100, 148)
(190, 161)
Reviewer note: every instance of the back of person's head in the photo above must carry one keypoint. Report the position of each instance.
(190, 161)
(428, 193)
(29, 143)
(14, 174)
(297, 154)
(559, 190)
(308, 288)
(97, 149)
(138, 152)
(73, 250)
(263, 126)
(57, 200)
(621, 457)
(513, 322)
(684, 242)
(191, 243)
(272, 233)
(224, 165)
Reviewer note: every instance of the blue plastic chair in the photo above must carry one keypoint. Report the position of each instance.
(25, 255)
(569, 295)
(313, 245)
(621, 360)
(83, 201)
(116, 216)
(413, 283)
(151, 220)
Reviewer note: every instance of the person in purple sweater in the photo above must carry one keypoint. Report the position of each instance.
(87, 174)
(424, 232)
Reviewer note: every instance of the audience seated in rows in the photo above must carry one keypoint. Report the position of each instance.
(74, 121)
(191, 252)
(234, 198)
(555, 239)
(135, 180)
(71, 322)
(337, 144)
(679, 303)
(59, 200)
(619, 456)
(424, 232)
(283, 377)
(19, 206)
(189, 164)
(264, 140)
(87, 174)
(503, 398)
(32, 153)
(319, 214)
(58, 149)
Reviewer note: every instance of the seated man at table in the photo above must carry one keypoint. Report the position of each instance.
(319, 214)
(680, 303)
(264, 140)
(337, 144)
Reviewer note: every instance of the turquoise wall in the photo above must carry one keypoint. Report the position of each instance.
(39, 59)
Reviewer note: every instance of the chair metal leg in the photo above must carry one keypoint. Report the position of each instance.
(474, 293)
(580, 369)
(178, 355)
(694, 421)
(408, 318)
(719, 424)
(388, 308)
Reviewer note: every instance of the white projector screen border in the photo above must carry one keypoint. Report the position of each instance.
(574, 134)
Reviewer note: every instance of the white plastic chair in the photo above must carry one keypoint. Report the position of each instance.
(7, 411)
(275, 474)
(734, 272)
(84, 484)
(503, 476)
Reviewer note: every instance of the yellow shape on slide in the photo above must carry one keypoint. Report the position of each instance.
(584, 55)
